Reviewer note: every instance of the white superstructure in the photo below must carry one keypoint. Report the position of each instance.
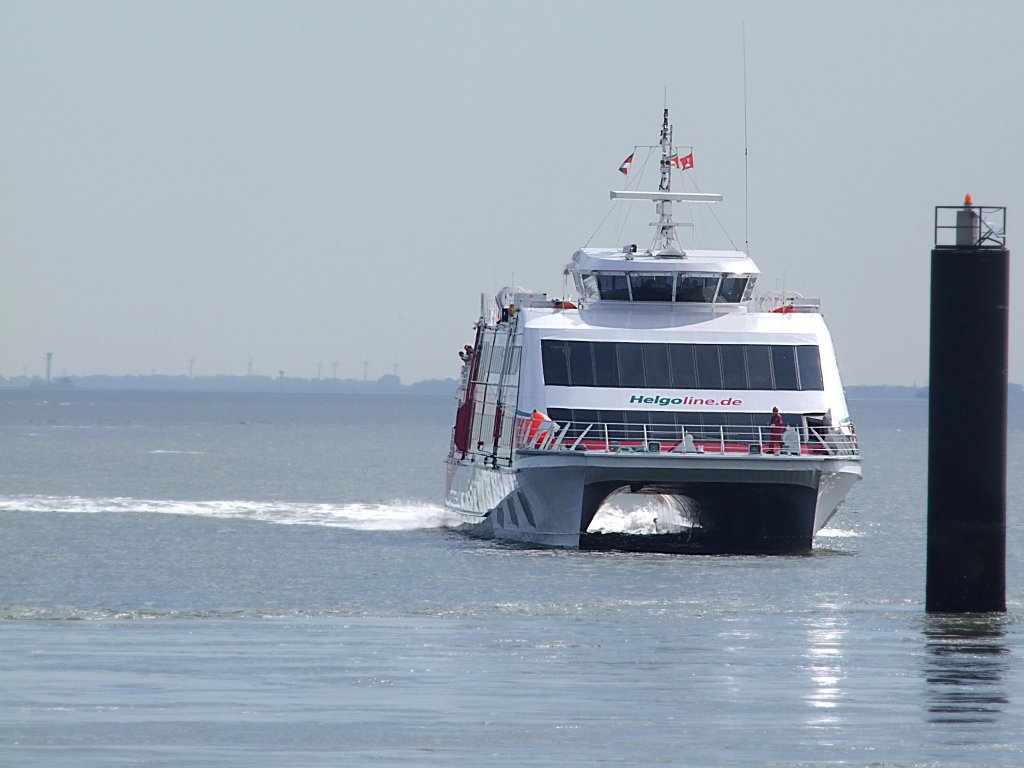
(661, 378)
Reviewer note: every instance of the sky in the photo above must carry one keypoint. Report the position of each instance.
(299, 185)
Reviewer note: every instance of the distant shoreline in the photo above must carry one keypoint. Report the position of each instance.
(384, 385)
(240, 384)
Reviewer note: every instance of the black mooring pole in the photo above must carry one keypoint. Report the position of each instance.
(967, 411)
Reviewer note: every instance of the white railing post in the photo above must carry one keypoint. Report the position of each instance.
(582, 435)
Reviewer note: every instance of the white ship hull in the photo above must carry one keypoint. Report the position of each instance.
(754, 504)
(666, 375)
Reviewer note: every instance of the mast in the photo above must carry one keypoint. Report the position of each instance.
(666, 238)
(666, 149)
(666, 242)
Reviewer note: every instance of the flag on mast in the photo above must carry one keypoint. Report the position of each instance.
(624, 168)
(684, 163)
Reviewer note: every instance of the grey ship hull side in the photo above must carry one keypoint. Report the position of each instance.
(732, 503)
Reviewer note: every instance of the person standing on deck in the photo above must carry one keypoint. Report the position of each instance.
(775, 432)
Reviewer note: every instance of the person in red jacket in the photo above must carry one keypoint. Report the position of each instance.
(775, 432)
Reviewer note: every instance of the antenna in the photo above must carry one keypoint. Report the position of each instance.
(746, 173)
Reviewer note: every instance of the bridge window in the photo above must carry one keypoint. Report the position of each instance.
(700, 288)
(732, 289)
(667, 287)
(653, 287)
(613, 287)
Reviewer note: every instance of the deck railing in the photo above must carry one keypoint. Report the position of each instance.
(533, 434)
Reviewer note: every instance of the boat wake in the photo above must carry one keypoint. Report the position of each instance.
(627, 517)
(393, 516)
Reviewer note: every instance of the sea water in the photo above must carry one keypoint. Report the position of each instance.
(192, 579)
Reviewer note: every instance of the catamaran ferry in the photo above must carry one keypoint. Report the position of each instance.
(667, 375)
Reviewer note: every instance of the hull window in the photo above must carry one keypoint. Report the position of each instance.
(657, 372)
(709, 367)
(666, 425)
(555, 358)
(759, 365)
(606, 364)
(684, 366)
(733, 367)
(631, 365)
(810, 368)
(784, 367)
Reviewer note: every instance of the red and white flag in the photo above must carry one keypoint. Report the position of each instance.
(685, 162)
(624, 168)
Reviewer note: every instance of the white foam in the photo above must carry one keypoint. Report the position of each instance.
(394, 516)
(838, 533)
(614, 519)
(391, 516)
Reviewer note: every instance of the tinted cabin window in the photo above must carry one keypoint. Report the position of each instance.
(581, 364)
(748, 292)
(784, 366)
(656, 366)
(809, 363)
(606, 364)
(636, 423)
(665, 425)
(732, 289)
(556, 363)
(631, 365)
(651, 287)
(759, 366)
(696, 288)
(709, 370)
(679, 366)
(684, 369)
(613, 287)
(734, 367)
(560, 414)
(617, 418)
